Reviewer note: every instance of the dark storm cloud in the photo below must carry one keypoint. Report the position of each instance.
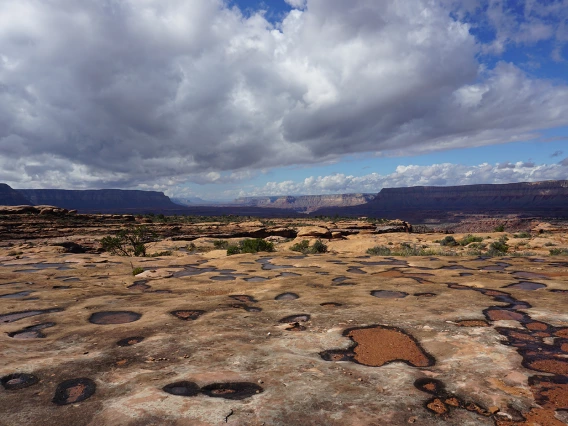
(125, 92)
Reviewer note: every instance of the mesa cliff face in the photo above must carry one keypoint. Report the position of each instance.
(541, 197)
(99, 200)
(11, 197)
(307, 203)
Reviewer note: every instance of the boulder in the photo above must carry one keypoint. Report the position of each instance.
(314, 231)
(394, 226)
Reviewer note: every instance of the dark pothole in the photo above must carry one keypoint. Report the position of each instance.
(16, 316)
(387, 294)
(187, 314)
(295, 318)
(244, 298)
(114, 317)
(526, 285)
(287, 296)
(182, 388)
(234, 391)
(18, 381)
(73, 391)
(331, 304)
(129, 341)
(31, 332)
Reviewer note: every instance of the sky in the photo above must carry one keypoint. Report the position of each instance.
(220, 99)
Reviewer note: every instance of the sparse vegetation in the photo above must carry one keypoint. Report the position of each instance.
(449, 241)
(379, 251)
(221, 244)
(15, 253)
(500, 228)
(128, 242)
(137, 270)
(559, 252)
(498, 248)
(250, 245)
(161, 253)
(304, 247)
(470, 239)
(523, 234)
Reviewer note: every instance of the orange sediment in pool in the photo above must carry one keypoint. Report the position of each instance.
(378, 346)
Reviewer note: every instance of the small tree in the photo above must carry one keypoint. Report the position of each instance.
(129, 242)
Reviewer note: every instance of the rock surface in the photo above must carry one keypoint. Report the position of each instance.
(278, 338)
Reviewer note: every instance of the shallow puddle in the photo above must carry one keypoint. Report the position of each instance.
(114, 317)
(16, 316)
(287, 296)
(386, 294)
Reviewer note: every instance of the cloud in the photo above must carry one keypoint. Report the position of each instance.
(445, 174)
(297, 4)
(129, 93)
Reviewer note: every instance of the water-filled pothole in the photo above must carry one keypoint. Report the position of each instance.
(287, 296)
(386, 294)
(222, 278)
(182, 388)
(140, 285)
(256, 279)
(31, 332)
(234, 391)
(288, 274)
(18, 381)
(129, 341)
(425, 294)
(295, 318)
(73, 391)
(331, 304)
(526, 285)
(114, 317)
(16, 316)
(187, 314)
(17, 295)
(354, 270)
(252, 309)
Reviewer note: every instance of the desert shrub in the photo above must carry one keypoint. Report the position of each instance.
(470, 239)
(559, 252)
(523, 234)
(137, 270)
(233, 249)
(129, 242)
(161, 253)
(477, 245)
(221, 244)
(304, 247)
(500, 228)
(498, 248)
(250, 245)
(379, 251)
(449, 241)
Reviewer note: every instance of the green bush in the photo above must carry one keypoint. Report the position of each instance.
(498, 248)
(449, 241)
(523, 234)
(470, 239)
(250, 246)
(129, 242)
(304, 247)
(500, 228)
(379, 251)
(137, 270)
(221, 244)
(559, 252)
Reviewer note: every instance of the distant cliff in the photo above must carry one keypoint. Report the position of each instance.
(306, 203)
(103, 200)
(11, 197)
(529, 197)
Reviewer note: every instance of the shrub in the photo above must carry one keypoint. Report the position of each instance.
(250, 246)
(379, 251)
(304, 247)
(498, 248)
(470, 239)
(449, 241)
(559, 252)
(500, 228)
(161, 253)
(137, 270)
(523, 234)
(128, 242)
(221, 244)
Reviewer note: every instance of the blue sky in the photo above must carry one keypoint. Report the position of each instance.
(230, 98)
